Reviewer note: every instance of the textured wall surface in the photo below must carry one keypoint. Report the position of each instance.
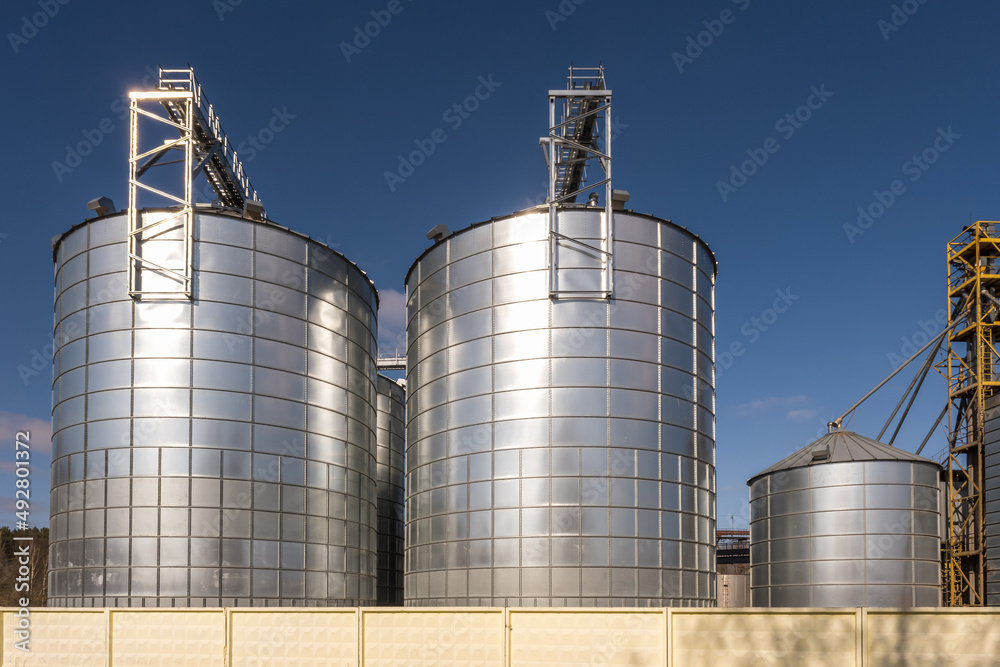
(508, 637)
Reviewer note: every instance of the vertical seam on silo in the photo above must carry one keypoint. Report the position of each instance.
(86, 394)
(195, 244)
(56, 345)
(548, 453)
(698, 511)
(305, 375)
(658, 253)
(253, 406)
(447, 406)
(131, 423)
(913, 546)
(864, 527)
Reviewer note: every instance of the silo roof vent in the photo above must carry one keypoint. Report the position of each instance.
(841, 446)
(619, 199)
(438, 232)
(820, 454)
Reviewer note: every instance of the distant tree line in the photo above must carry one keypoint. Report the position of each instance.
(38, 566)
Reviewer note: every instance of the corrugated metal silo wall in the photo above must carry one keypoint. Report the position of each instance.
(733, 591)
(992, 495)
(860, 533)
(561, 452)
(391, 499)
(219, 451)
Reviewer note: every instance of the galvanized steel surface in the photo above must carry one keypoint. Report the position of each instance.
(391, 499)
(561, 452)
(841, 446)
(733, 591)
(219, 451)
(857, 533)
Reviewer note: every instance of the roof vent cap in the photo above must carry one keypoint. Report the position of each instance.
(101, 205)
(820, 454)
(438, 232)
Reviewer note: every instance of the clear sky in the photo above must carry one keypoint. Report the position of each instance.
(833, 100)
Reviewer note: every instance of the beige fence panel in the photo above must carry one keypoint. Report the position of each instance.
(58, 637)
(967, 637)
(155, 637)
(765, 637)
(548, 637)
(497, 637)
(305, 638)
(442, 637)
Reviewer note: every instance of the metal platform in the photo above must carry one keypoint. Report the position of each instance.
(733, 546)
(393, 359)
(206, 149)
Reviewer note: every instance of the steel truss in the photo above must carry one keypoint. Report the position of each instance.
(972, 372)
(160, 251)
(573, 140)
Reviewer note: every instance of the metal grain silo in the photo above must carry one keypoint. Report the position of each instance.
(217, 450)
(391, 499)
(991, 484)
(846, 522)
(561, 451)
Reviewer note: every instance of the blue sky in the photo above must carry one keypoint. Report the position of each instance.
(833, 100)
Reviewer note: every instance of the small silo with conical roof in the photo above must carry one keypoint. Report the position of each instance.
(846, 521)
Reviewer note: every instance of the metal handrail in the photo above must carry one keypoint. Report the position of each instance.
(207, 119)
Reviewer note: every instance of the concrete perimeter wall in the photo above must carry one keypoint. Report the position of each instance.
(501, 637)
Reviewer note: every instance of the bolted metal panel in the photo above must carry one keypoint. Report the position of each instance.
(846, 522)
(560, 452)
(733, 591)
(991, 493)
(391, 498)
(217, 452)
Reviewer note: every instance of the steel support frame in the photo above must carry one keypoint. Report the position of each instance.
(138, 233)
(972, 373)
(554, 145)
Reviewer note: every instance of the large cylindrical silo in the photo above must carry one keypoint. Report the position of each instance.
(390, 438)
(846, 522)
(218, 450)
(560, 451)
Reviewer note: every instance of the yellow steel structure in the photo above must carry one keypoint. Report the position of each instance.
(972, 372)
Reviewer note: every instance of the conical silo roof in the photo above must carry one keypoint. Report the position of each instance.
(841, 446)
